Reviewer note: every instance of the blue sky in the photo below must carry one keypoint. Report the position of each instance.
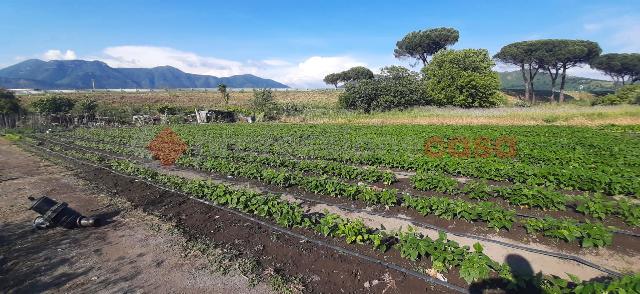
(295, 42)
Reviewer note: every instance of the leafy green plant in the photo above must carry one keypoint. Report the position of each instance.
(629, 211)
(447, 208)
(431, 180)
(477, 189)
(597, 207)
(476, 266)
(522, 195)
(589, 234)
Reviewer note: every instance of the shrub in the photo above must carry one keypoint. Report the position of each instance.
(263, 102)
(395, 87)
(85, 108)
(462, 78)
(8, 102)
(53, 104)
(627, 94)
(168, 110)
(360, 95)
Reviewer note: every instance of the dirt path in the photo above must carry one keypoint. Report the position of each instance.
(134, 252)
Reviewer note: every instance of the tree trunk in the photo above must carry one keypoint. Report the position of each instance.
(562, 80)
(532, 76)
(424, 60)
(533, 94)
(554, 78)
(526, 83)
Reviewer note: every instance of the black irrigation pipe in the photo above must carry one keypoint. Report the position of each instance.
(283, 230)
(433, 227)
(472, 236)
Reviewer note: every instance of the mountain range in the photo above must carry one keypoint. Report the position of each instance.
(82, 74)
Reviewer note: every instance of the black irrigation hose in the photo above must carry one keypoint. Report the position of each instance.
(433, 227)
(471, 236)
(282, 230)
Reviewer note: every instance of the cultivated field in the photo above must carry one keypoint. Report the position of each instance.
(565, 205)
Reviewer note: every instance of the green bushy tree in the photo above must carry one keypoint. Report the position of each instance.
(353, 74)
(627, 94)
(356, 74)
(222, 88)
(422, 44)
(462, 78)
(85, 109)
(53, 105)
(8, 102)
(333, 79)
(623, 68)
(556, 56)
(264, 103)
(395, 87)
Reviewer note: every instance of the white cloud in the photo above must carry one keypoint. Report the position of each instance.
(55, 54)
(306, 73)
(149, 56)
(310, 72)
(587, 72)
(276, 62)
(621, 32)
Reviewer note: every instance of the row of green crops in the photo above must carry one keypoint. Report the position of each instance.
(322, 167)
(518, 194)
(492, 214)
(543, 198)
(473, 265)
(590, 159)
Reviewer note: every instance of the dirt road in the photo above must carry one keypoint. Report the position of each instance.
(133, 252)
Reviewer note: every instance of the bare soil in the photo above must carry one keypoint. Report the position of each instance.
(131, 252)
(323, 269)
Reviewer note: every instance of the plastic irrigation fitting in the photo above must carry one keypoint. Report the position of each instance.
(54, 213)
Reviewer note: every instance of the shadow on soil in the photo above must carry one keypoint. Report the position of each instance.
(106, 218)
(528, 281)
(33, 261)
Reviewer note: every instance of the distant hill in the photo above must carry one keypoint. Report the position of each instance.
(513, 81)
(79, 74)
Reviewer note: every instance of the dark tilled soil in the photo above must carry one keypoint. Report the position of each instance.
(325, 270)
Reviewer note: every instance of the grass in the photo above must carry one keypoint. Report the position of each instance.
(544, 114)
